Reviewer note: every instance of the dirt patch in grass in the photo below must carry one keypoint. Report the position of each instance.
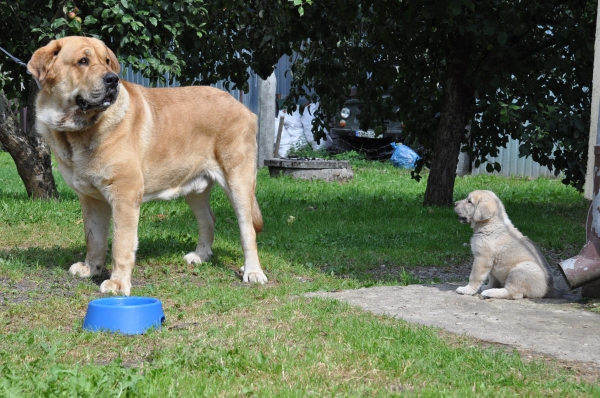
(27, 290)
(45, 284)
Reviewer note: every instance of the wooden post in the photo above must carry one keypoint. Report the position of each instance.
(278, 141)
(266, 117)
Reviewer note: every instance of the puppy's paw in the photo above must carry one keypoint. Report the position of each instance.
(499, 294)
(256, 276)
(468, 290)
(115, 287)
(81, 270)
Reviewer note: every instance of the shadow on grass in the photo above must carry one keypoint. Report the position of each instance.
(152, 252)
(372, 238)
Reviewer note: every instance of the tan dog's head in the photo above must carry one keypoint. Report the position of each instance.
(78, 77)
(478, 207)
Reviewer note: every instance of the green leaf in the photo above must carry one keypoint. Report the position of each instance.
(58, 22)
(489, 29)
(502, 38)
(455, 8)
(153, 21)
(89, 20)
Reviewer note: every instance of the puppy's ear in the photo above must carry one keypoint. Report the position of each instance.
(486, 209)
(42, 60)
(113, 61)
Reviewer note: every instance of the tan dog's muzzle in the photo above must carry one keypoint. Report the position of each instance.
(101, 99)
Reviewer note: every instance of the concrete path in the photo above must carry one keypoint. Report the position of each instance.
(555, 328)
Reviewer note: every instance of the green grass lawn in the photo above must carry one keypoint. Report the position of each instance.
(224, 338)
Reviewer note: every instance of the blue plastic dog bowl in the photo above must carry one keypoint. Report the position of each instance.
(127, 315)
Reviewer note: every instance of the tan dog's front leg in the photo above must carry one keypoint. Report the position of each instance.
(126, 212)
(480, 271)
(96, 223)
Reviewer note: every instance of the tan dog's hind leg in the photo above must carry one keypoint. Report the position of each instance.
(241, 196)
(525, 280)
(200, 204)
(126, 213)
(96, 223)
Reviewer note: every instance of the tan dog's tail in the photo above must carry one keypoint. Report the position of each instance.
(257, 219)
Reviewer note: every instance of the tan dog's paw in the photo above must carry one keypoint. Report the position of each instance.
(81, 270)
(197, 258)
(115, 287)
(192, 258)
(254, 276)
(468, 290)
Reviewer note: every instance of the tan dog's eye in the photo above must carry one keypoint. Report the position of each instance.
(83, 61)
(469, 200)
(107, 61)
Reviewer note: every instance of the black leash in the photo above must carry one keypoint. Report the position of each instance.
(17, 60)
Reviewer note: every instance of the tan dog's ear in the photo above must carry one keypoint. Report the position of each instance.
(485, 209)
(113, 61)
(42, 60)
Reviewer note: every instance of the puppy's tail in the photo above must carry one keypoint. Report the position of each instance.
(559, 294)
(257, 219)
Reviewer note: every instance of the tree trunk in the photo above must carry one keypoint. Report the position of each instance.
(457, 101)
(29, 152)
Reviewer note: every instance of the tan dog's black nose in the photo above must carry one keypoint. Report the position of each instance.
(111, 80)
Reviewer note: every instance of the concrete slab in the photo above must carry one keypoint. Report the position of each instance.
(311, 169)
(556, 328)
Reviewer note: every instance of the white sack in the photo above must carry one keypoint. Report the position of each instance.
(292, 134)
(306, 119)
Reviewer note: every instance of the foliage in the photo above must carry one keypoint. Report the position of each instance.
(536, 57)
(306, 151)
(194, 41)
(300, 4)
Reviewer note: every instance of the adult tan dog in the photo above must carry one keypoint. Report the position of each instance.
(513, 265)
(118, 144)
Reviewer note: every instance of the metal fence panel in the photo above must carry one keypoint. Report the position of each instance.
(513, 165)
(250, 99)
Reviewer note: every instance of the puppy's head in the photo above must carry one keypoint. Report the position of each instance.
(478, 207)
(78, 78)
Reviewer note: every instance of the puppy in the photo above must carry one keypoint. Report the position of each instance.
(513, 265)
